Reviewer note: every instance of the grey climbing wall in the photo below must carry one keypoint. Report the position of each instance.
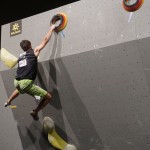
(97, 70)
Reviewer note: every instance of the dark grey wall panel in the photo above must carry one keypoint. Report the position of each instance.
(144, 47)
(100, 98)
(30, 132)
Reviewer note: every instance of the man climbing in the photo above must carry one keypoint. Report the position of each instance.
(26, 74)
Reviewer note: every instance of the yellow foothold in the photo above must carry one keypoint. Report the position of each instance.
(13, 106)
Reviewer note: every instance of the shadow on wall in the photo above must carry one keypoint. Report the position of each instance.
(67, 102)
(34, 138)
(30, 131)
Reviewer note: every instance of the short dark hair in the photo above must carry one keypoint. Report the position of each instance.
(25, 44)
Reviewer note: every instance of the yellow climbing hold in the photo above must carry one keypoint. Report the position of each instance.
(8, 59)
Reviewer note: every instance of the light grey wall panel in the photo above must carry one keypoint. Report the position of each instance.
(29, 132)
(142, 21)
(91, 24)
(9, 138)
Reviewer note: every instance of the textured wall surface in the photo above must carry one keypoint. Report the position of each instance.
(92, 24)
(98, 72)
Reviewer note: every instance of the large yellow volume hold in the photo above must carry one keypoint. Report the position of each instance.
(53, 137)
(9, 59)
(56, 140)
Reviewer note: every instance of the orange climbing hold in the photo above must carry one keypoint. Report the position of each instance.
(131, 7)
(63, 21)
